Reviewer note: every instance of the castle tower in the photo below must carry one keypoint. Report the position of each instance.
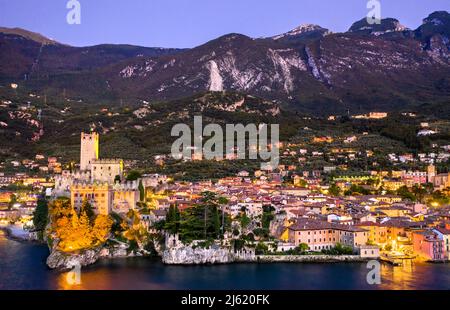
(89, 150)
(431, 173)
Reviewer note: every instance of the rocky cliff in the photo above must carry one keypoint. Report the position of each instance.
(65, 261)
(187, 255)
(382, 66)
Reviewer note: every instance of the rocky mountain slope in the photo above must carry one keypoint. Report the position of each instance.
(26, 55)
(384, 66)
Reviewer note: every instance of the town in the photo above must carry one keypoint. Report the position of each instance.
(273, 214)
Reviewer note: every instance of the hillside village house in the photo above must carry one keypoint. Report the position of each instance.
(377, 233)
(444, 235)
(429, 246)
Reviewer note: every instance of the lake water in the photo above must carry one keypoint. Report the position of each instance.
(22, 266)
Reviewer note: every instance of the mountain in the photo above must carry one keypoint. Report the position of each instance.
(28, 35)
(28, 55)
(303, 33)
(369, 67)
(386, 25)
(435, 30)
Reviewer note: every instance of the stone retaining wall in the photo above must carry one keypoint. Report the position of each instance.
(308, 258)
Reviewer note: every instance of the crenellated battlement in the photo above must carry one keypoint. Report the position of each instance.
(108, 161)
(90, 186)
(126, 186)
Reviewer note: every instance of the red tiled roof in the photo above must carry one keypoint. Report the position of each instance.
(310, 224)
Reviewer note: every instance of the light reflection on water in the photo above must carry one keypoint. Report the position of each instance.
(22, 266)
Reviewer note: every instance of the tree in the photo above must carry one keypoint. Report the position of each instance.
(356, 189)
(12, 201)
(133, 175)
(261, 249)
(405, 193)
(133, 230)
(87, 208)
(203, 221)
(102, 228)
(339, 249)
(172, 223)
(302, 248)
(419, 192)
(40, 217)
(261, 232)
(334, 190)
(215, 219)
(244, 220)
(141, 191)
(73, 231)
(267, 216)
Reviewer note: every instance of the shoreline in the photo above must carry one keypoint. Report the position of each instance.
(305, 259)
(17, 234)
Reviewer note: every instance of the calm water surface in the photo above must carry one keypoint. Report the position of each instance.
(22, 266)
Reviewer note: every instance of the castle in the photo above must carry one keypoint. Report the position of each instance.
(99, 181)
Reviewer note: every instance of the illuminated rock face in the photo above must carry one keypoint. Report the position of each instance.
(63, 261)
(190, 256)
(176, 253)
(66, 261)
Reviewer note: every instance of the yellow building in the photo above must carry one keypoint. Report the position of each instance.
(126, 196)
(377, 233)
(397, 174)
(392, 185)
(100, 196)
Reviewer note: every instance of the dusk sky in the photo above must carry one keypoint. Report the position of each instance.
(188, 23)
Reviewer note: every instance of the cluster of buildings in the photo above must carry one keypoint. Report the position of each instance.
(304, 210)
(366, 223)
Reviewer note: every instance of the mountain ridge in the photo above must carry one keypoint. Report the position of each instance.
(383, 67)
